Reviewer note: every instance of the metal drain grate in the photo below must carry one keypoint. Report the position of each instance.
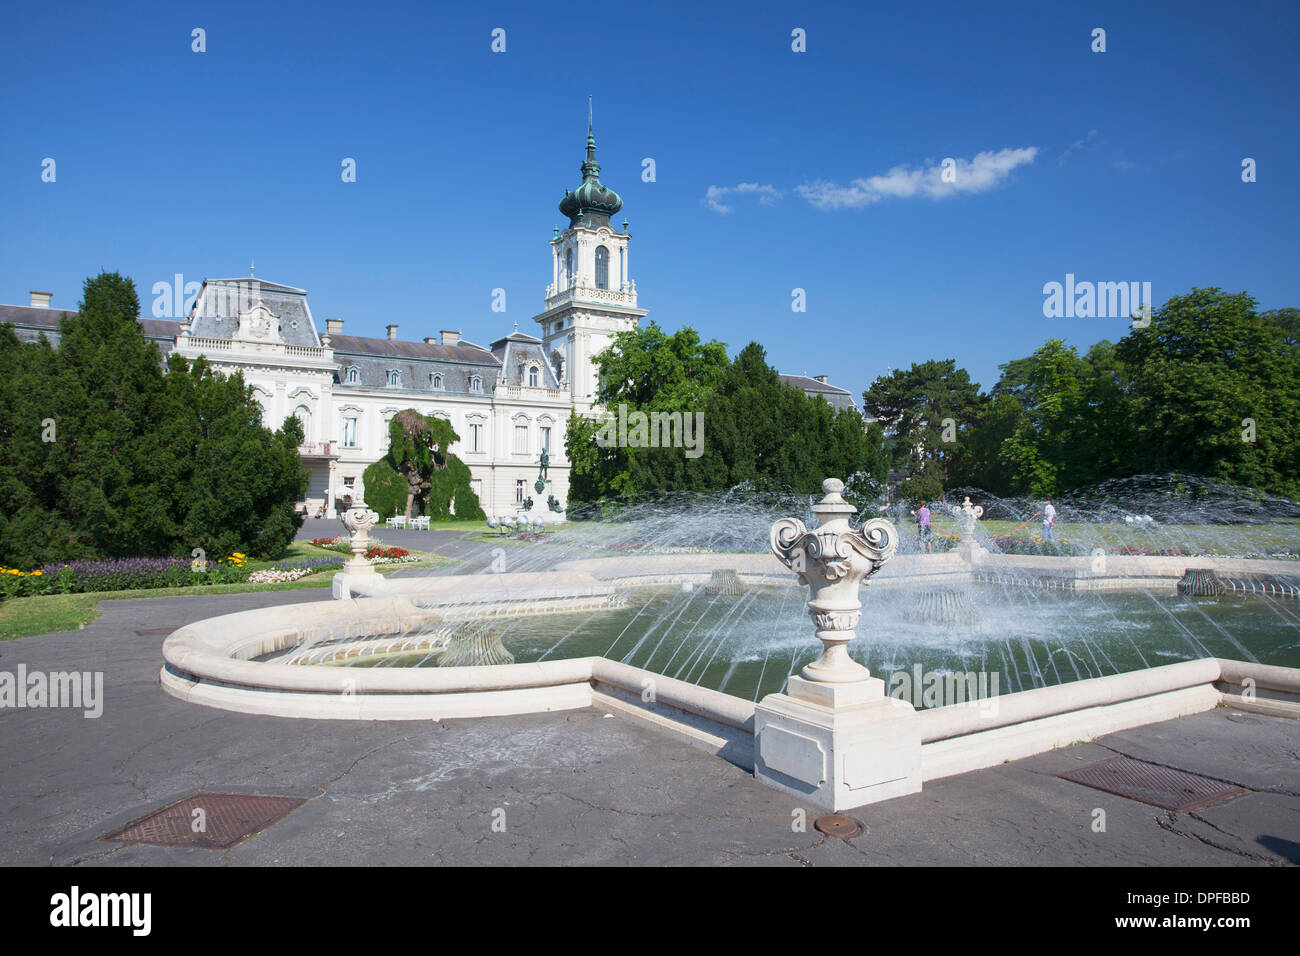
(1162, 787)
(156, 631)
(227, 819)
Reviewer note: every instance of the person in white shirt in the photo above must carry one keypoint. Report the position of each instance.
(1049, 519)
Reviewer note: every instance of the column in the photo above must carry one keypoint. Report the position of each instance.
(330, 493)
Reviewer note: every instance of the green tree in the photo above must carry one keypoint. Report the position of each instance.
(139, 463)
(419, 468)
(924, 411)
(1206, 369)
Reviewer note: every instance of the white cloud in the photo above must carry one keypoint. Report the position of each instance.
(979, 174)
(715, 194)
(1077, 145)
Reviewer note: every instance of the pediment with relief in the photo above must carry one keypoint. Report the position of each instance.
(259, 324)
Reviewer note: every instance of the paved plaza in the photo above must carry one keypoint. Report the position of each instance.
(567, 788)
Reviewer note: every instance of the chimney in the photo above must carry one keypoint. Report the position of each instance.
(392, 333)
(450, 337)
(824, 379)
(430, 340)
(334, 326)
(41, 300)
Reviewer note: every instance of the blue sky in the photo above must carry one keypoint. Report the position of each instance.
(1115, 166)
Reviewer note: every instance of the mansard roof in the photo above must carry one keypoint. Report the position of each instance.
(215, 313)
(517, 352)
(30, 322)
(835, 396)
(419, 351)
(415, 362)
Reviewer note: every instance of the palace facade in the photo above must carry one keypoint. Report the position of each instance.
(507, 400)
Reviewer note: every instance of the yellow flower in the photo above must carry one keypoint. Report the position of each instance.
(38, 572)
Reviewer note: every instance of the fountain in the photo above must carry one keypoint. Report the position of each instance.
(707, 598)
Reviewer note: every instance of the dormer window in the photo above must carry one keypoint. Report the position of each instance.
(394, 378)
(602, 267)
(476, 383)
(353, 375)
(435, 380)
(532, 377)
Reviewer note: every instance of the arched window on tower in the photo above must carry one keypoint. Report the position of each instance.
(602, 267)
(568, 268)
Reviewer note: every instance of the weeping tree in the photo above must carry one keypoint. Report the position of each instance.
(417, 449)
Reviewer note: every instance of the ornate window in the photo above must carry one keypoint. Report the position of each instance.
(521, 439)
(435, 380)
(353, 376)
(303, 414)
(476, 383)
(349, 433)
(568, 267)
(602, 267)
(394, 378)
(532, 376)
(475, 436)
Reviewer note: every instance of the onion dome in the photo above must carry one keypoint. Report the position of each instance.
(592, 203)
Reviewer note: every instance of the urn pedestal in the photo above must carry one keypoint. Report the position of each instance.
(838, 745)
(834, 737)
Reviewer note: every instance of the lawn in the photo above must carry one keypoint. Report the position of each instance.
(49, 613)
(1228, 539)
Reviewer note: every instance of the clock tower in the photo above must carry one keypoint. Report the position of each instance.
(590, 297)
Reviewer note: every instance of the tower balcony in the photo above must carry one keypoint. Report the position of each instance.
(565, 293)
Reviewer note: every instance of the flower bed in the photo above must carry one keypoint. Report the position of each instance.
(134, 574)
(341, 544)
(119, 574)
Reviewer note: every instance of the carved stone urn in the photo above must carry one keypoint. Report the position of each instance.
(968, 514)
(834, 561)
(969, 548)
(359, 520)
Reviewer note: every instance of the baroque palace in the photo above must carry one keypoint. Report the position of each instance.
(507, 400)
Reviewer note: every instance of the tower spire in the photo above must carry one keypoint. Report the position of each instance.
(592, 203)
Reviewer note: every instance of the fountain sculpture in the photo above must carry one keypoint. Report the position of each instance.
(834, 736)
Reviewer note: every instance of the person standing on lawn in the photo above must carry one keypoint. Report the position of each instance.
(1049, 519)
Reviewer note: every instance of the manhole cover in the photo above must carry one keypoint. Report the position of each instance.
(157, 631)
(1162, 787)
(225, 820)
(838, 825)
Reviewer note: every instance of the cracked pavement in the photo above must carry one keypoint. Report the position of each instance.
(572, 788)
